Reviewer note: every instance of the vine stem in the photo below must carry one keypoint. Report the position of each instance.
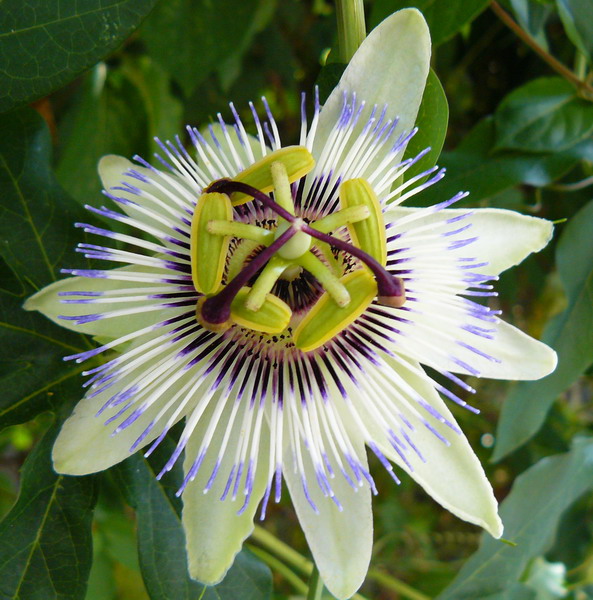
(274, 563)
(315, 585)
(351, 27)
(305, 566)
(553, 62)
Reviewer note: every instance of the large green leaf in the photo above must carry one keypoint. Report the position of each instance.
(570, 334)
(444, 19)
(191, 38)
(161, 539)
(36, 233)
(544, 115)
(109, 119)
(45, 540)
(473, 166)
(577, 19)
(44, 45)
(530, 514)
(432, 121)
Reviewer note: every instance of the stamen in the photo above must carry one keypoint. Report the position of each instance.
(368, 234)
(334, 221)
(324, 320)
(241, 230)
(265, 282)
(297, 161)
(391, 289)
(208, 251)
(282, 191)
(330, 283)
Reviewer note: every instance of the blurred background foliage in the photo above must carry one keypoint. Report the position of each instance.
(82, 79)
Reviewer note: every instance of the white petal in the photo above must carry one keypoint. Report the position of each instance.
(435, 338)
(522, 357)
(85, 444)
(452, 475)
(49, 303)
(390, 67)
(214, 531)
(504, 237)
(341, 542)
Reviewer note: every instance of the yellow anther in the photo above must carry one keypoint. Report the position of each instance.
(297, 161)
(209, 251)
(368, 234)
(273, 316)
(325, 320)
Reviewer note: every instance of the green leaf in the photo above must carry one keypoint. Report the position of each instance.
(544, 115)
(432, 121)
(473, 166)
(164, 111)
(231, 66)
(531, 514)
(532, 16)
(328, 78)
(444, 19)
(569, 333)
(36, 229)
(578, 24)
(45, 540)
(161, 539)
(44, 45)
(191, 38)
(109, 119)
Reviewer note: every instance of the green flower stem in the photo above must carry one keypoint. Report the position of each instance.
(351, 27)
(553, 62)
(315, 586)
(277, 565)
(403, 589)
(282, 550)
(580, 65)
(299, 562)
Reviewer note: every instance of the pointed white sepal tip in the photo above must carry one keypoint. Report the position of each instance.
(111, 168)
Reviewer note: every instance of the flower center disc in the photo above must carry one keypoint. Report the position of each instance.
(285, 277)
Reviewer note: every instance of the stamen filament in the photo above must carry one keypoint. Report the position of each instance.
(330, 283)
(391, 289)
(265, 282)
(217, 309)
(334, 221)
(241, 230)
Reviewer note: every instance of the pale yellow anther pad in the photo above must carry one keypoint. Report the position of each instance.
(325, 320)
(297, 161)
(209, 251)
(272, 317)
(368, 234)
